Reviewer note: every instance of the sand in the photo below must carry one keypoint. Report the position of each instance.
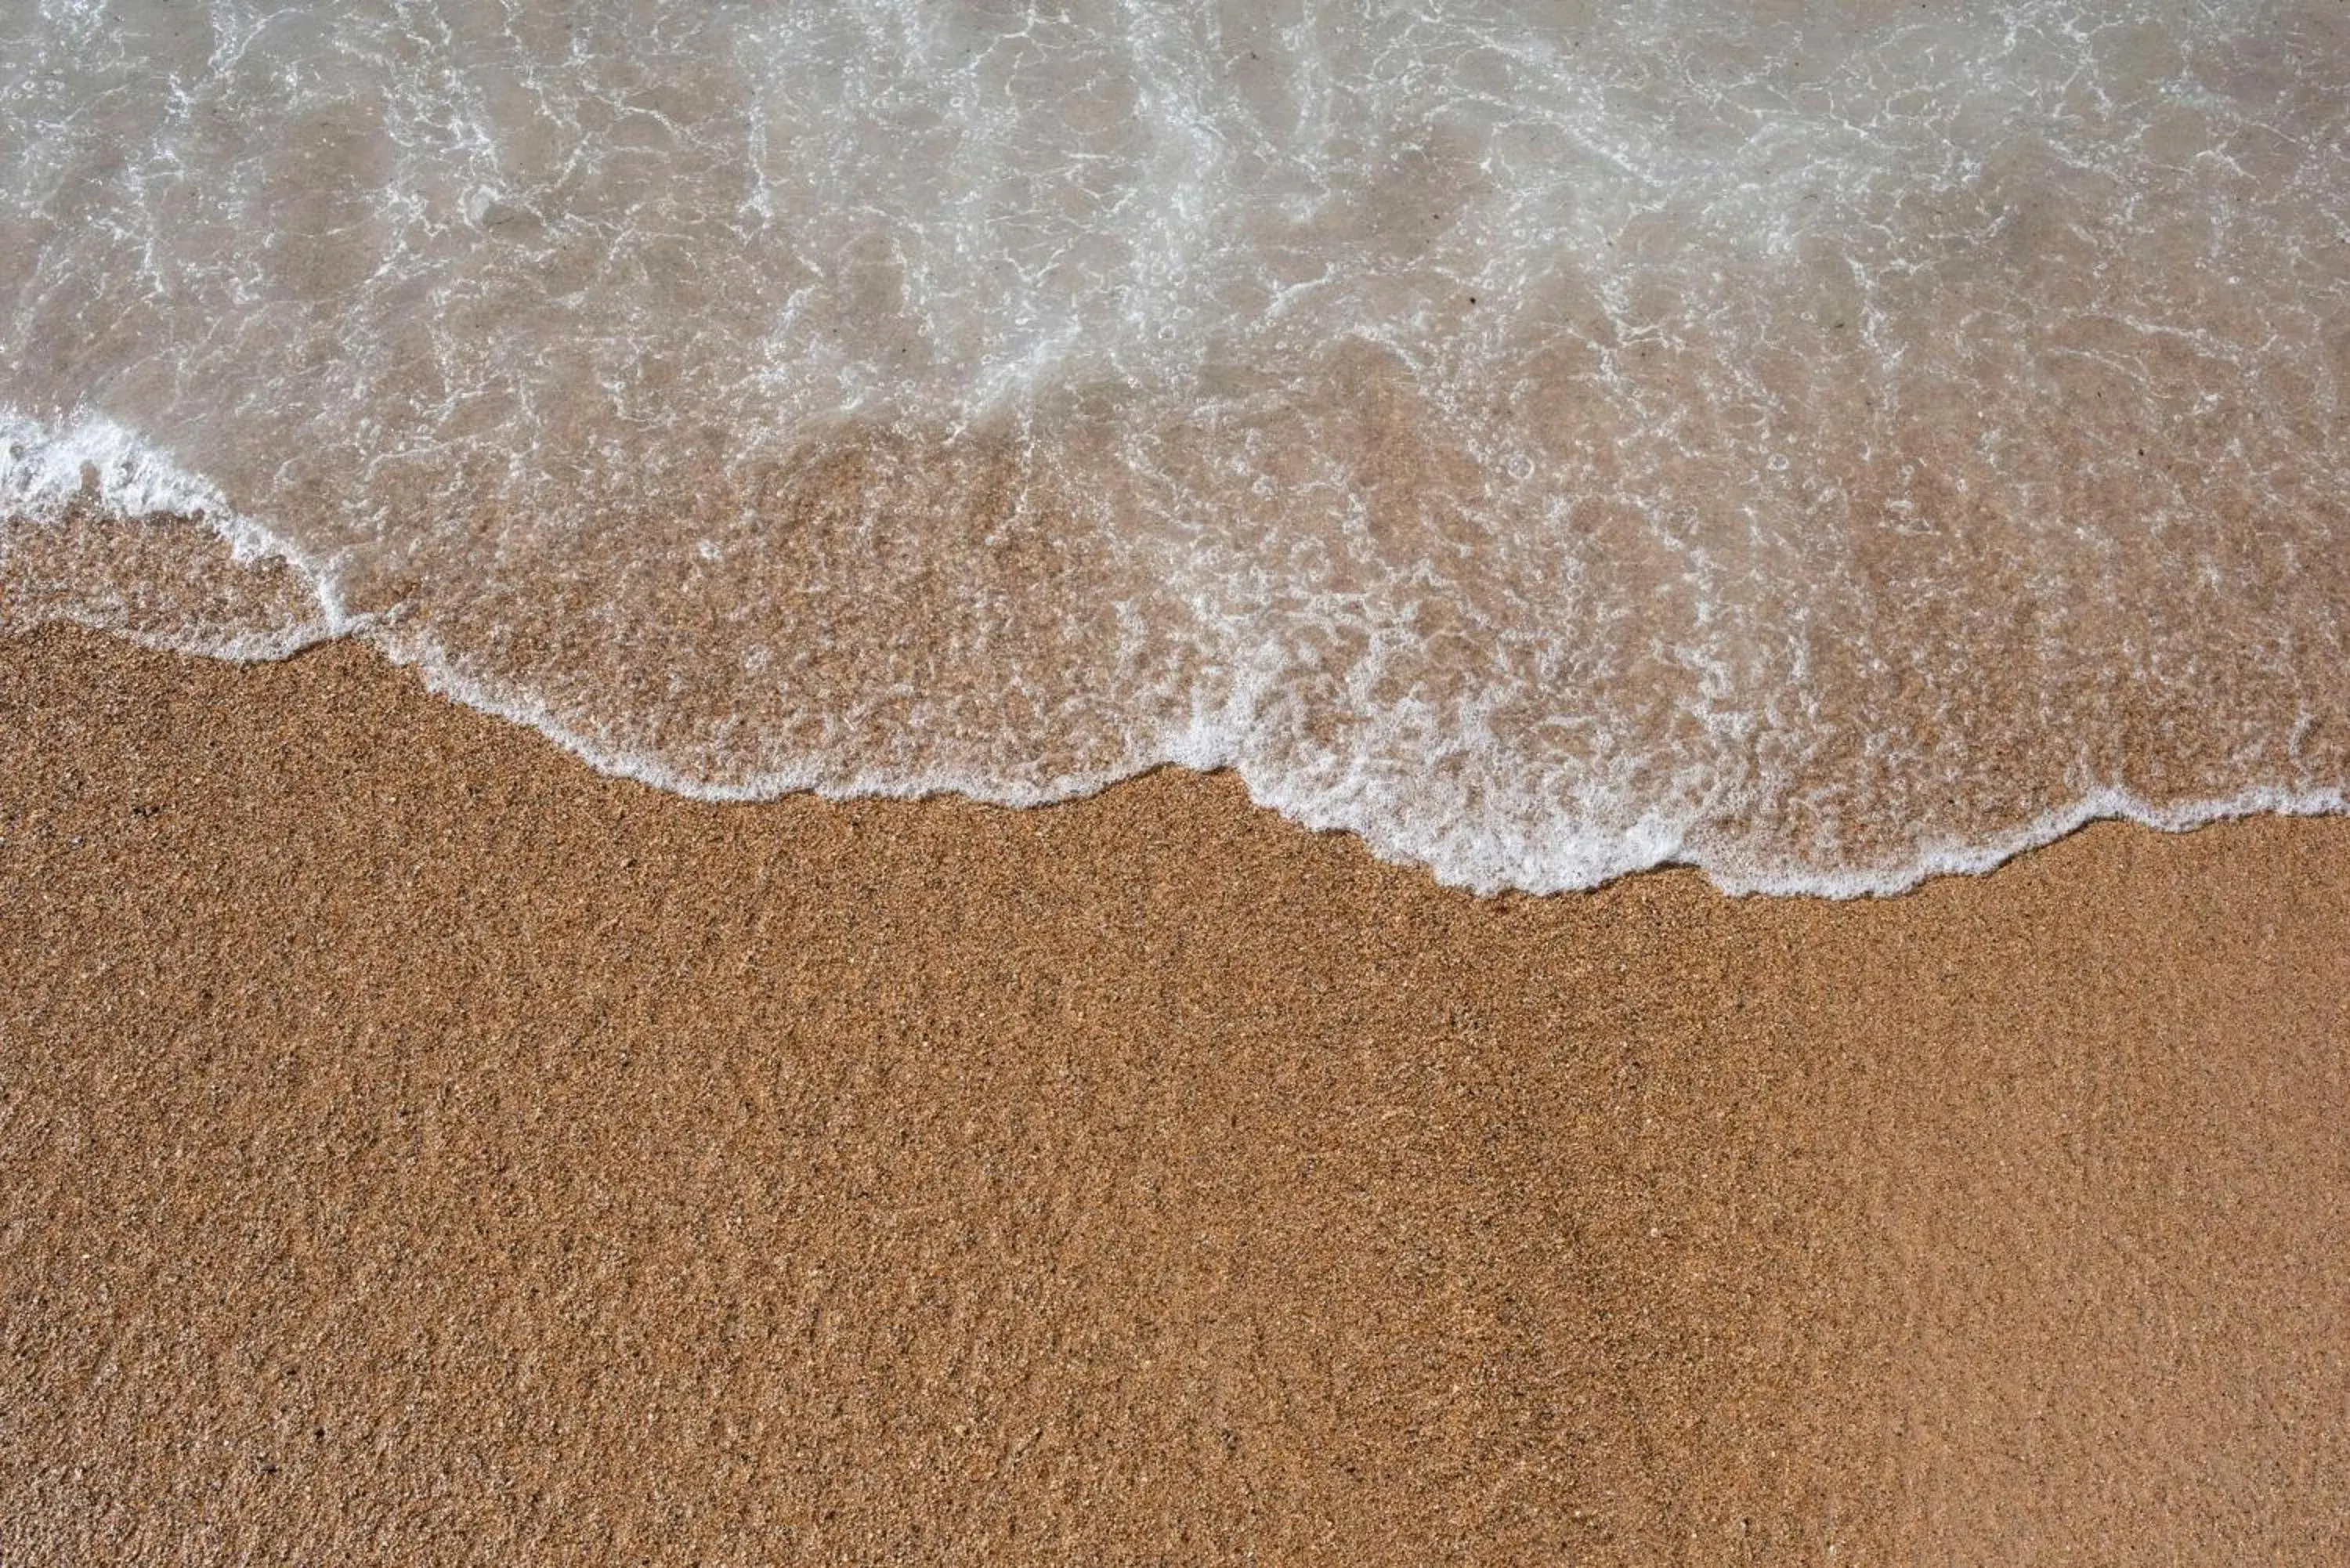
(415, 1147)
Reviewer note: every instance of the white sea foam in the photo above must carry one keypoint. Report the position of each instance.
(1545, 439)
(96, 461)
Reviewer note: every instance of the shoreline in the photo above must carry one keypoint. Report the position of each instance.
(1950, 858)
(416, 1134)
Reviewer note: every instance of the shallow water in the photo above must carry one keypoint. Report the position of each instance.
(1547, 438)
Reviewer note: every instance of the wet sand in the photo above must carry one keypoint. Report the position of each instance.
(415, 1147)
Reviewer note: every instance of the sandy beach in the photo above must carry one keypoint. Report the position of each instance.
(415, 1147)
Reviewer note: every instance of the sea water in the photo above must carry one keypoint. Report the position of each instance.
(1549, 438)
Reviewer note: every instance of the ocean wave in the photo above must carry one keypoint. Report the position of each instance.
(1547, 441)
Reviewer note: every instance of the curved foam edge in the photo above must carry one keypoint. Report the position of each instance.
(44, 474)
(1579, 867)
(2106, 803)
(93, 461)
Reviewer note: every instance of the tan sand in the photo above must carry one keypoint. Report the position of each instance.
(415, 1147)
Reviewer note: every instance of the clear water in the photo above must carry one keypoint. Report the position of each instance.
(1547, 438)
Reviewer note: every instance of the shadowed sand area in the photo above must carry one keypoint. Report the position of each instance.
(415, 1147)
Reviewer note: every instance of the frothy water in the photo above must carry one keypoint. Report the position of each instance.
(1548, 438)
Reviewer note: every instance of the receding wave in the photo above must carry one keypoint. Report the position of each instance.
(1547, 438)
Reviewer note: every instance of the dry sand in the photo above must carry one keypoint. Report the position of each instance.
(415, 1147)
